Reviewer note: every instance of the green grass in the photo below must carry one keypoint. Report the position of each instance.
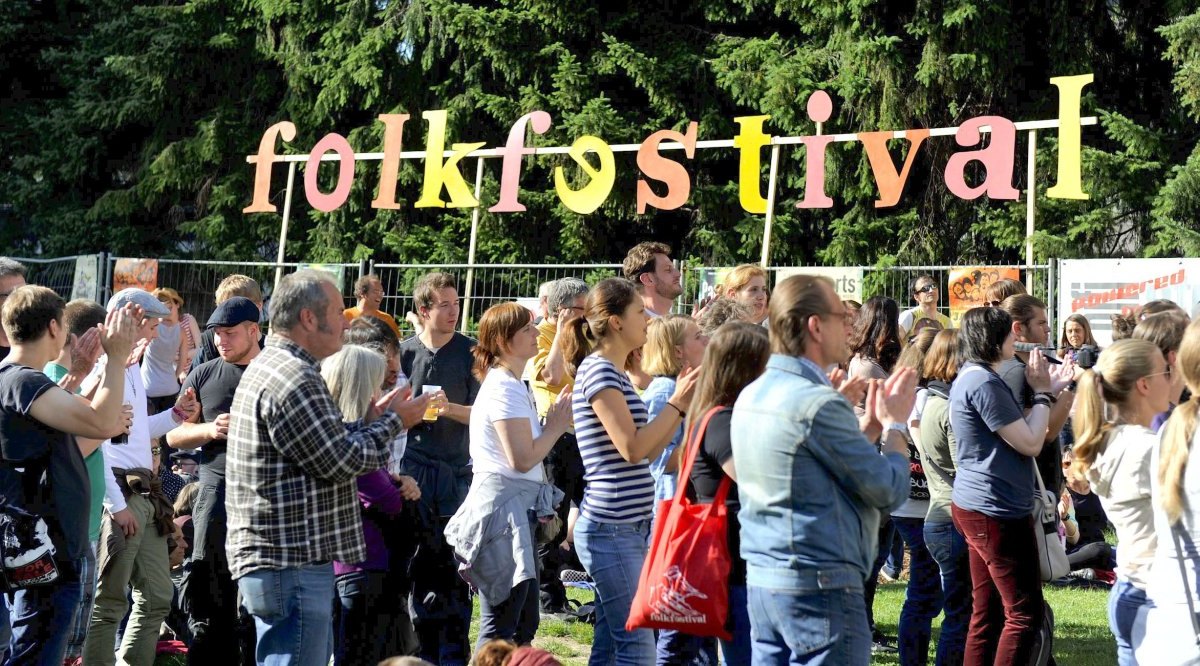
(1081, 636)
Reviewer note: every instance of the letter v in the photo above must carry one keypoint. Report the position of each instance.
(890, 184)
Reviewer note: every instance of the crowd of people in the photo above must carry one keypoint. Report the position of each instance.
(334, 490)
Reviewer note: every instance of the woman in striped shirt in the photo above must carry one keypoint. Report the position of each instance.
(616, 442)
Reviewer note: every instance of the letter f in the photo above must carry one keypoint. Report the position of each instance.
(263, 161)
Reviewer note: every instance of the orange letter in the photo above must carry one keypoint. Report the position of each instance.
(263, 161)
(389, 168)
(672, 174)
(890, 183)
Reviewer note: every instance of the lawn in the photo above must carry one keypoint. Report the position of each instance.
(1081, 636)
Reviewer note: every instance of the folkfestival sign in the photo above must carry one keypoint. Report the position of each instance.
(442, 174)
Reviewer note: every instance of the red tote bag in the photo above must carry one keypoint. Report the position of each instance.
(685, 581)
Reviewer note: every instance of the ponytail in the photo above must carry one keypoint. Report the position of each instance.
(578, 343)
(1090, 427)
(1173, 457)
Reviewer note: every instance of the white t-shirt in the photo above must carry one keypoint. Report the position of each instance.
(500, 397)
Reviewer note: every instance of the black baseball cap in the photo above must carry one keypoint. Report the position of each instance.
(234, 311)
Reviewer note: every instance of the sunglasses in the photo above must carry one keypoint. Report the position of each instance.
(926, 289)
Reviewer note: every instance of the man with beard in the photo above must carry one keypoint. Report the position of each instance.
(649, 266)
(209, 595)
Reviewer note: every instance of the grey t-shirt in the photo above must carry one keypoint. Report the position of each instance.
(993, 478)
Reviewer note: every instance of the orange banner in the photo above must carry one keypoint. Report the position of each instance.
(140, 273)
(968, 285)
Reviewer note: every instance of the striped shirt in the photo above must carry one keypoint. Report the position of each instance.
(617, 491)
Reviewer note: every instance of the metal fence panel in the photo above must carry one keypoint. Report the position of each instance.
(57, 273)
(197, 281)
(488, 285)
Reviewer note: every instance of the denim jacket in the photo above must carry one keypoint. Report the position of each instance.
(812, 488)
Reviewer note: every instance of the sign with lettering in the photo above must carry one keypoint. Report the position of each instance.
(1100, 288)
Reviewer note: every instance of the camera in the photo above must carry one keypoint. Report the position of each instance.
(1086, 356)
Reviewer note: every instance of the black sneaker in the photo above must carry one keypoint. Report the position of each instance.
(881, 644)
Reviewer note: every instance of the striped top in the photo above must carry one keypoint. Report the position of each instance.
(616, 491)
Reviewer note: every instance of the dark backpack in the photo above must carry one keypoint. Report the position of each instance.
(1043, 645)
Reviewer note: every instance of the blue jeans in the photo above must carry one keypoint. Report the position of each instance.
(923, 598)
(676, 648)
(42, 618)
(1124, 603)
(737, 651)
(820, 628)
(87, 597)
(949, 551)
(292, 611)
(613, 554)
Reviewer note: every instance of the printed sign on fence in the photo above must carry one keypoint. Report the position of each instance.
(710, 279)
(87, 280)
(969, 284)
(1100, 288)
(140, 273)
(338, 272)
(847, 280)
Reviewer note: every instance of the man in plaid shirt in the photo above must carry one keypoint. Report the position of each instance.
(292, 464)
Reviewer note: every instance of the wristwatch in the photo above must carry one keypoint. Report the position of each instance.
(898, 427)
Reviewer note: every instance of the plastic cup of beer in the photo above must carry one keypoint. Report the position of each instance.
(434, 408)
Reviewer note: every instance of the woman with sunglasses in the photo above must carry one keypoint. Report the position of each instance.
(924, 291)
(1114, 455)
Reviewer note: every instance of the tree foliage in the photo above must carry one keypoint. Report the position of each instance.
(127, 123)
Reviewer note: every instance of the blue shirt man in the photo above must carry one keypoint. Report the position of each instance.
(812, 485)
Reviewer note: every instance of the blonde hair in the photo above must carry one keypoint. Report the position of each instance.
(238, 285)
(1112, 380)
(1177, 440)
(663, 339)
(741, 276)
(353, 375)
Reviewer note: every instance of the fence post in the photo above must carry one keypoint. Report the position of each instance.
(105, 277)
(465, 315)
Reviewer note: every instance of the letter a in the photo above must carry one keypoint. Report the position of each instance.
(997, 159)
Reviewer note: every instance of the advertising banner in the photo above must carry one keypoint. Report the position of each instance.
(140, 273)
(968, 284)
(847, 280)
(1100, 288)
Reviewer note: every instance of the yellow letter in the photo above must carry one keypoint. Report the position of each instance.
(749, 142)
(1069, 184)
(439, 174)
(590, 196)
(263, 161)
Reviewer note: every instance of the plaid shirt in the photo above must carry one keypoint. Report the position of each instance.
(292, 465)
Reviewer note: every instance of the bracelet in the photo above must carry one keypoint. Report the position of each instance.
(682, 414)
(1048, 395)
(179, 414)
(1042, 400)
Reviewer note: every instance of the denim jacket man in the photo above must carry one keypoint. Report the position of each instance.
(812, 485)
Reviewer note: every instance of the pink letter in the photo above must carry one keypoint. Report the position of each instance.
(997, 159)
(389, 168)
(670, 173)
(510, 170)
(820, 107)
(263, 161)
(327, 202)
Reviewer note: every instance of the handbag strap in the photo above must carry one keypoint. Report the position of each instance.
(694, 442)
(1176, 536)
